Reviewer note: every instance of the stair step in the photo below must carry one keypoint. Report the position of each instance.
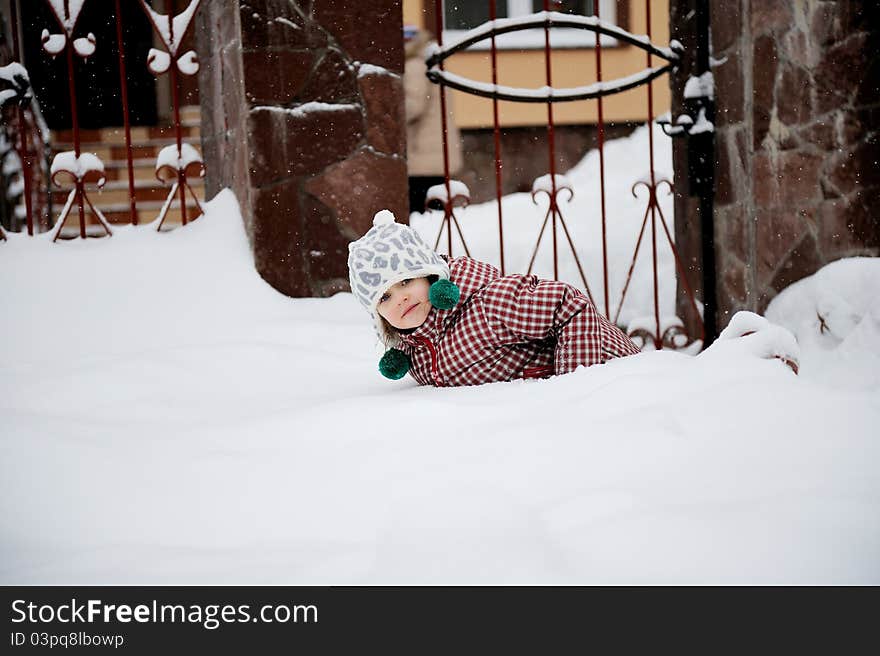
(117, 193)
(190, 121)
(95, 229)
(142, 149)
(117, 135)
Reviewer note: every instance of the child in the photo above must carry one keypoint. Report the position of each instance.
(460, 322)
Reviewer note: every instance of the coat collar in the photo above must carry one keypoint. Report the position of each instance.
(430, 329)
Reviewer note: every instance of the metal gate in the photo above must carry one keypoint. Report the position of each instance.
(27, 156)
(452, 196)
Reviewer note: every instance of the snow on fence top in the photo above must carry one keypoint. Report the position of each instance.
(702, 86)
(457, 189)
(168, 157)
(80, 167)
(171, 29)
(546, 183)
(307, 108)
(372, 69)
(53, 43)
(545, 93)
(550, 19)
(16, 75)
(67, 12)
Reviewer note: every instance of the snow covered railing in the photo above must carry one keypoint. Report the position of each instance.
(548, 20)
(24, 141)
(17, 77)
(68, 39)
(182, 160)
(177, 164)
(449, 195)
(551, 19)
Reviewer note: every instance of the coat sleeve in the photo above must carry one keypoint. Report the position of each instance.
(526, 308)
(470, 275)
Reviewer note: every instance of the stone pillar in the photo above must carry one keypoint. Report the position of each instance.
(797, 182)
(302, 117)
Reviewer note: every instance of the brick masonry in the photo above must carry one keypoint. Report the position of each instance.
(796, 142)
(302, 115)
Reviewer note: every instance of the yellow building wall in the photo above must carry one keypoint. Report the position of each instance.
(569, 68)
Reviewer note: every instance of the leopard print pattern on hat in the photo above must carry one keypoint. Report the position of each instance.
(388, 253)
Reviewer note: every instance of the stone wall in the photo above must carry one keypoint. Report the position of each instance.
(302, 117)
(796, 87)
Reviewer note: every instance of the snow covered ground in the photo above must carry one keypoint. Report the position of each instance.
(167, 417)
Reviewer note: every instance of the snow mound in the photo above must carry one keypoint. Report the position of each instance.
(170, 418)
(835, 307)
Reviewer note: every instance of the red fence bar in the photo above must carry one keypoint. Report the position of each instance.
(496, 133)
(447, 206)
(123, 85)
(601, 140)
(551, 140)
(653, 195)
(188, 159)
(75, 122)
(80, 170)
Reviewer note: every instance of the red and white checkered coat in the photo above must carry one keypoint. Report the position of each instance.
(508, 327)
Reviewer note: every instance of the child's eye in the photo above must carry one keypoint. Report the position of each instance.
(403, 283)
(383, 298)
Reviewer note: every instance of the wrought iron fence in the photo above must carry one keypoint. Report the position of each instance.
(454, 195)
(77, 170)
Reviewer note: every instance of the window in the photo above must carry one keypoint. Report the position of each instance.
(581, 7)
(462, 15)
(467, 14)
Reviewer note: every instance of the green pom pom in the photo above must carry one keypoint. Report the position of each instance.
(444, 294)
(394, 364)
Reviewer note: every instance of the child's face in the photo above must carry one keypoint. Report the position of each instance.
(406, 305)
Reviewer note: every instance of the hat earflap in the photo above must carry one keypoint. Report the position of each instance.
(444, 294)
(394, 364)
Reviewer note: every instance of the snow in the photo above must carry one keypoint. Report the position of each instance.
(371, 69)
(702, 124)
(67, 161)
(67, 12)
(11, 163)
(517, 24)
(505, 92)
(457, 188)
(834, 314)
(307, 108)
(168, 156)
(188, 63)
(53, 43)
(548, 183)
(170, 29)
(13, 70)
(158, 61)
(85, 46)
(288, 23)
(170, 418)
(702, 86)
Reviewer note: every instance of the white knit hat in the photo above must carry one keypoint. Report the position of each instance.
(388, 253)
